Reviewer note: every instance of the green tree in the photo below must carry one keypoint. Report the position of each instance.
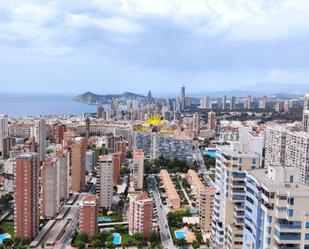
(96, 243)
(26, 241)
(80, 244)
(138, 237)
(180, 242)
(7, 243)
(196, 244)
(16, 240)
(82, 236)
(109, 244)
(153, 238)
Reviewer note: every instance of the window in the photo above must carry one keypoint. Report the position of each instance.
(269, 230)
(269, 219)
(268, 241)
(290, 212)
(291, 200)
(254, 161)
(307, 236)
(291, 179)
(307, 224)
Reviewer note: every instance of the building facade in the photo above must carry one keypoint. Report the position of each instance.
(277, 212)
(228, 210)
(26, 195)
(105, 182)
(138, 169)
(78, 154)
(140, 215)
(88, 215)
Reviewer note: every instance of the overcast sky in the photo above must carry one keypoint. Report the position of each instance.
(109, 46)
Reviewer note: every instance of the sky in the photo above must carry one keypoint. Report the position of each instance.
(112, 46)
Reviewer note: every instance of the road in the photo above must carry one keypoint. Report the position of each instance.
(60, 235)
(166, 238)
(202, 168)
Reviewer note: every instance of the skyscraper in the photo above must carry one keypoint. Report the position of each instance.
(206, 208)
(233, 103)
(140, 215)
(211, 121)
(87, 122)
(149, 97)
(39, 133)
(88, 215)
(183, 98)
(105, 185)
(121, 147)
(306, 113)
(58, 131)
(78, 151)
(100, 111)
(223, 101)
(248, 102)
(26, 196)
(116, 168)
(263, 103)
(276, 209)
(205, 103)
(62, 158)
(138, 169)
(196, 123)
(4, 131)
(228, 215)
(50, 204)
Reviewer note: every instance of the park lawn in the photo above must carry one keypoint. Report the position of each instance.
(7, 228)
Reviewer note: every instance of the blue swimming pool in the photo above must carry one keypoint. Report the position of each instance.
(4, 236)
(180, 234)
(211, 153)
(104, 219)
(193, 210)
(116, 239)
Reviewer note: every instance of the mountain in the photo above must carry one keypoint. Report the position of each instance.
(278, 88)
(281, 90)
(92, 98)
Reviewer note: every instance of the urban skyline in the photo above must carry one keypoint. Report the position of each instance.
(115, 45)
(158, 124)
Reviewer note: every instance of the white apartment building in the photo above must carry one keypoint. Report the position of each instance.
(4, 130)
(277, 210)
(228, 210)
(275, 144)
(306, 113)
(289, 148)
(138, 169)
(39, 133)
(105, 182)
(297, 154)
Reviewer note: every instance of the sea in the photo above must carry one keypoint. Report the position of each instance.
(21, 105)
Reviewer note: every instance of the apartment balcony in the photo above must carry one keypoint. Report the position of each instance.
(238, 221)
(237, 184)
(239, 214)
(238, 176)
(287, 238)
(238, 208)
(293, 246)
(237, 198)
(288, 227)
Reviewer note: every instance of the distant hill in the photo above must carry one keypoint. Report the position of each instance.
(281, 90)
(92, 98)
